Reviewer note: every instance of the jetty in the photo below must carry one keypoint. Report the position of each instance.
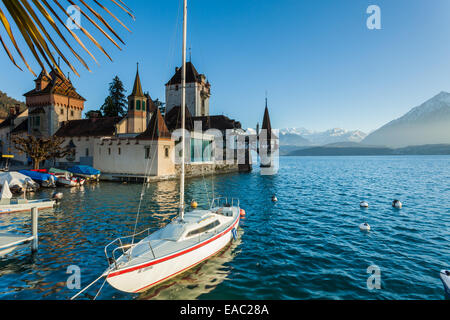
(10, 242)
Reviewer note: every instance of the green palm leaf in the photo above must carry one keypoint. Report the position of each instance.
(29, 17)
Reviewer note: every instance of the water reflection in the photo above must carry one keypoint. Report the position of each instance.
(288, 248)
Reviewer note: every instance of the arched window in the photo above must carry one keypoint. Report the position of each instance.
(138, 105)
(143, 105)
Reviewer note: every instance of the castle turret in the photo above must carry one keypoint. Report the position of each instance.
(137, 108)
(266, 140)
(52, 102)
(198, 91)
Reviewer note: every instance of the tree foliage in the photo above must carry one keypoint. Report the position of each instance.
(115, 104)
(94, 114)
(35, 20)
(40, 149)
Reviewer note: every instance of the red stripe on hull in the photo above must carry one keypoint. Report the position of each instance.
(177, 273)
(174, 255)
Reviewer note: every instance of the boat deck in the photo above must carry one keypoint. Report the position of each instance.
(160, 245)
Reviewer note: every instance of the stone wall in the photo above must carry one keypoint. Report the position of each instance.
(204, 169)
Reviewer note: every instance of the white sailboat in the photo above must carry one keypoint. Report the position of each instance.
(191, 238)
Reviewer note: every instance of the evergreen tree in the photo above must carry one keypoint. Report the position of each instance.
(94, 114)
(115, 104)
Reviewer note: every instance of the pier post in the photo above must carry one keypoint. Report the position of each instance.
(34, 217)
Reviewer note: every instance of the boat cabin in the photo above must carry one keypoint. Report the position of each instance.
(196, 223)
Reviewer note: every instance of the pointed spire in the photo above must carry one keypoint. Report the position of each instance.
(156, 129)
(137, 88)
(266, 122)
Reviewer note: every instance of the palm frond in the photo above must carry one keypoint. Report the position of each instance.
(30, 17)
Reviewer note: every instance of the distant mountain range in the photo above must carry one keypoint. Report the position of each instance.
(423, 130)
(304, 137)
(426, 124)
(358, 149)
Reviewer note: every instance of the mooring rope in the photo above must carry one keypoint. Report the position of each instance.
(92, 283)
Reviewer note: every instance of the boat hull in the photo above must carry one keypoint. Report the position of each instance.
(445, 281)
(143, 277)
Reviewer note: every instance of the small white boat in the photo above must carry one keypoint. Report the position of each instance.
(176, 248)
(70, 181)
(445, 278)
(10, 205)
(18, 182)
(66, 178)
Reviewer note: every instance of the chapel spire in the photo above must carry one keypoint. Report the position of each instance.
(137, 88)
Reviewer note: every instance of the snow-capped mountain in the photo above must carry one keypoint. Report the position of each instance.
(428, 123)
(305, 137)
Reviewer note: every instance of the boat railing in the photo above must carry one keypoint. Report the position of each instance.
(120, 244)
(225, 202)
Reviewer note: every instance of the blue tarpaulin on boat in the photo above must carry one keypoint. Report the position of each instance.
(37, 176)
(87, 170)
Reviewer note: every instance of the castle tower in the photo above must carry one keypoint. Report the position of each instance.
(137, 108)
(52, 102)
(266, 141)
(198, 91)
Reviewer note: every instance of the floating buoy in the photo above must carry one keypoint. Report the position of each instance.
(364, 204)
(397, 204)
(242, 212)
(274, 199)
(364, 227)
(194, 204)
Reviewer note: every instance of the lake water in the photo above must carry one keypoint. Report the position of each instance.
(306, 246)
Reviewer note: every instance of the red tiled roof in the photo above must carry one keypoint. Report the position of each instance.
(58, 85)
(95, 127)
(156, 128)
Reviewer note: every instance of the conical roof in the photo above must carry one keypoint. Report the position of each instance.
(137, 88)
(266, 122)
(156, 128)
(191, 75)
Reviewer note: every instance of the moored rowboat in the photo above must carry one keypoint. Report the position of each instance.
(44, 179)
(86, 172)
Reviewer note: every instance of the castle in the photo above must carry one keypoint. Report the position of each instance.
(138, 144)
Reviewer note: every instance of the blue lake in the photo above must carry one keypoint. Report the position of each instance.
(305, 246)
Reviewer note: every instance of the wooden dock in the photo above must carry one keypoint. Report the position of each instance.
(10, 242)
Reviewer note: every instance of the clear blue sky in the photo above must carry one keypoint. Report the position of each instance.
(320, 64)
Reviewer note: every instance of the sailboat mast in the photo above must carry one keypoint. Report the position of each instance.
(183, 111)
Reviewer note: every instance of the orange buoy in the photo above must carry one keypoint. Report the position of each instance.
(242, 213)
